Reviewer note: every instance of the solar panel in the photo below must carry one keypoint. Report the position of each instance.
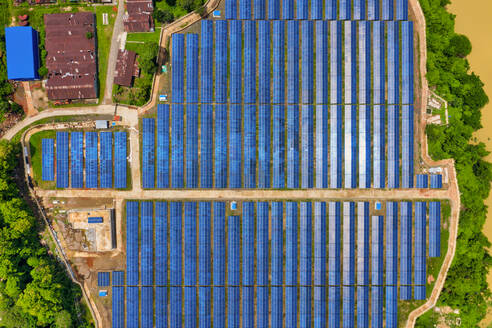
(77, 160)
(235, 61)
(377, 264)
(278, 147)
(118, 278)
(132, 303)
(177, 146)
(292, 62)
(406, 250)
(103, 279)
(118, 307)
(292, 146)
(350, 117)
(264, 137)
(245, 9)
(278, 62)
(91, 140)
(250, 62)
(249, 146)
(276, 264)
(177, 64)
(235, 149)
(147, 245)
(307, 146)
(348, 264)
(334, 264)
(191, 68)
(206, 146)
(148, 157)
(420, 254)
(363, 232)
(62, 159)
(221, 61)
(206, 62)
(146, 311)
(132, 243)
(264, 62)
(220, 142)
(162, 154)
(192, 146)
(106, 160)
(48, 158)
(120, 161)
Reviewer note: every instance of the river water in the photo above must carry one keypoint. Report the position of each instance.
(473, 19)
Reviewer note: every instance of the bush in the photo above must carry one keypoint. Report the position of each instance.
(163, 16)
(43, 71)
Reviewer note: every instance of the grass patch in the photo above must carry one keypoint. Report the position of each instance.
(36, 158)
(145, 37)
(104, 34)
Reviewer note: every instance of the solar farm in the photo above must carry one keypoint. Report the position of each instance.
(281, 183)
(102, 157)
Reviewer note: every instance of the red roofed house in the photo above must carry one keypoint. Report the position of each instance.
(126, 68)
(139, 16)
(71, 56)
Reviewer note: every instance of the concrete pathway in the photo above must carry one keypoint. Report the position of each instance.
(113, 53)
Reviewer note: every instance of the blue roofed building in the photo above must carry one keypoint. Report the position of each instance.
(22, 53)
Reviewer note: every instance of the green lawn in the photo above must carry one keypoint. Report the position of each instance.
(104, 34)
(145, 37)
(36, 160)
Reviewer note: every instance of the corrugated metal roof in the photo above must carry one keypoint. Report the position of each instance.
(22, 53)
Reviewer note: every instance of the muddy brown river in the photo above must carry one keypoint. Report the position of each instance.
(473, 20)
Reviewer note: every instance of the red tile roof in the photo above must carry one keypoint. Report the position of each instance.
(71, 56)
(126, 68)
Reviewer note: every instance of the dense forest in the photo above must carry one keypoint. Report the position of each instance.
(35, 291)
(449, 74)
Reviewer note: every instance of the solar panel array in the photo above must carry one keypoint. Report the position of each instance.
(48, 159)
(269, 83)
(101, 158)
(103, 279)
(270, 264)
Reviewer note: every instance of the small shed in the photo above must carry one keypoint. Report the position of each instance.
(22, 53)
(102, 124)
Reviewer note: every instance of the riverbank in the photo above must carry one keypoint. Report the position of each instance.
(473, 20)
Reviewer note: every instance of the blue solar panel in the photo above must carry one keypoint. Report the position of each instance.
(405, 250)
(146, 310)
(336, 62)
(387, 9)
(274, 9)
(373, 10)
(249, 62)
(177, 64)
(377, 264)
(91, 140)
(103, 279)
(363, 247)
(146, 246)
(132, 301)
(235, 61)
(348, 264)
(77, 160)
(161, 307)
(175, 309)
(278, 62)
(220, 61)
(277, 257)
(248, 233)
(162, 154)
(278, 147)
(307, 62)
(233, 270)
(307, 146)
(336, 153)
(302, 7)
(192, 146)
(106, 160)
(350, 124)
(259, 9)
(420, 255)
(161, 244)
(132, 243)
(345, 9)
(206, 146)
(292, 62)
(291, 264)
(436, 181)
(316, 9)
(204, 306)
(204, 251)
(177, 146)
(245, 9)
(220, 170)
(322, 62)
(287, 9)
(219, 241)
(233, 307)
(262, 243)
(434, 229)
(206, 62)
(148, 160)
(62, 159)
(190, 244)
(334, 237)
(48, 158)
(391, 306)
(231, 9)
(305, 251)
(118, 307)
(264, 121)
(191, 68)
(422, 181)
(249, 145)
(264, 62)
(359, 10)
(320, 227)
(118, 278)
(407, 62)
(402, 10)
(235, 149)
(175, 245)
(292, 146)
(120, 162)
(331, 9)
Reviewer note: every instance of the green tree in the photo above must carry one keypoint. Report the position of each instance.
(43, 71)
(163, 16)
(63, 319)
(460, 46)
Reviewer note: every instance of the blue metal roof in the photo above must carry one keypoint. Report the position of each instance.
(22, 53)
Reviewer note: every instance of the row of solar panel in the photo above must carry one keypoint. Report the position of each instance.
(73, 165)
(279, 89)
(241, 151)
(239, 256)
(304, 9)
